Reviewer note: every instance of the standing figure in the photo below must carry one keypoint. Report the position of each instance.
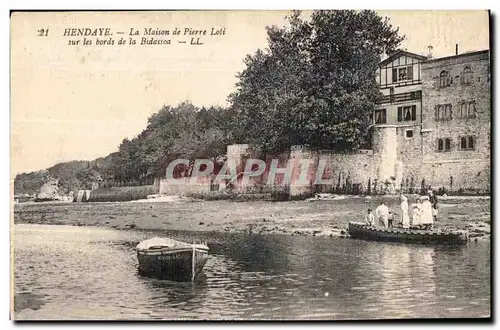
(415, 222)
(370, 218)
(390, 219)
(405, 218)
(434, 203)
(382, 214)
(426, 217)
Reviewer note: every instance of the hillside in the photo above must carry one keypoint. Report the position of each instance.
(72, 176)
(184, 131)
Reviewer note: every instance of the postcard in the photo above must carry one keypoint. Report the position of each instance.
(250, 165)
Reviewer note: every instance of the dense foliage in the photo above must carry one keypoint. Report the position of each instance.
(184, 131)
(315, 83)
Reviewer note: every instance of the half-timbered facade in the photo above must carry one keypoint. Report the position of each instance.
(399, 78)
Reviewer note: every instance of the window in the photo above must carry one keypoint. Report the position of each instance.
(380, 116)
(463, 143)
(463, 110)
(402, 74)
(409, 133)
(471, 142)
(409, 72)
(444, 79)
(471, 112)
(468, 109)
(447, 144)
(467, 143)
(444, 144)
(408, 113)
(467, 76)
(443, 112)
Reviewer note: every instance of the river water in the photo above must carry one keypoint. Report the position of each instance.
(67, 272)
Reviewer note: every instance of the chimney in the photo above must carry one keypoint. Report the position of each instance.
(456, 49)
(429, 55)
(383, 56)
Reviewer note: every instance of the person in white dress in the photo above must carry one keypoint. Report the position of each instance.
(382, 215)
(426, 216)
(405, 218)
(415, 221)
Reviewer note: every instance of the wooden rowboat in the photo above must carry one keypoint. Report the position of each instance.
(170, 259)
(363, 231)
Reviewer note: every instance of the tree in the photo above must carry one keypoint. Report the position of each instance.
(184, 131)
(315, 83)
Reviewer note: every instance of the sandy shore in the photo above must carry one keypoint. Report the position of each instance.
(314, 218)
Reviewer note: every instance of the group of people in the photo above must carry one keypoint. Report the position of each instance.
(423, 215)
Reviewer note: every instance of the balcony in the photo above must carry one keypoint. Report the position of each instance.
(401, 97)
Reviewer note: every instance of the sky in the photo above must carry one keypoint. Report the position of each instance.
(78, 102)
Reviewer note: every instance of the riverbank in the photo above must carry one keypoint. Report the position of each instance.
(312, 218)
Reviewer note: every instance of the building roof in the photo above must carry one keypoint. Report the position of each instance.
(459, 55)
(399, 53)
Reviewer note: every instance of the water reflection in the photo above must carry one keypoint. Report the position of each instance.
(254, 253)
(176, 295)
(92, 273)
(407, 278)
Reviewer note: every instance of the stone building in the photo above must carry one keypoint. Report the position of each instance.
(431, 128)
(456, 122)
(435, 119)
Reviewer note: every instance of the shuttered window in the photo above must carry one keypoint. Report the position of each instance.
(468, 109)
(467, 76)
(380, 116)
(472, 110)
(444, 145)
(467, 142)
(444, 79)
(407, 113)
(440, 144)
(463, 110)
(463, 143)
(443, 112)
(409, 72)
(447, 144)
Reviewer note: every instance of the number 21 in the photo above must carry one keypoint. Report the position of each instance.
(43, 32)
